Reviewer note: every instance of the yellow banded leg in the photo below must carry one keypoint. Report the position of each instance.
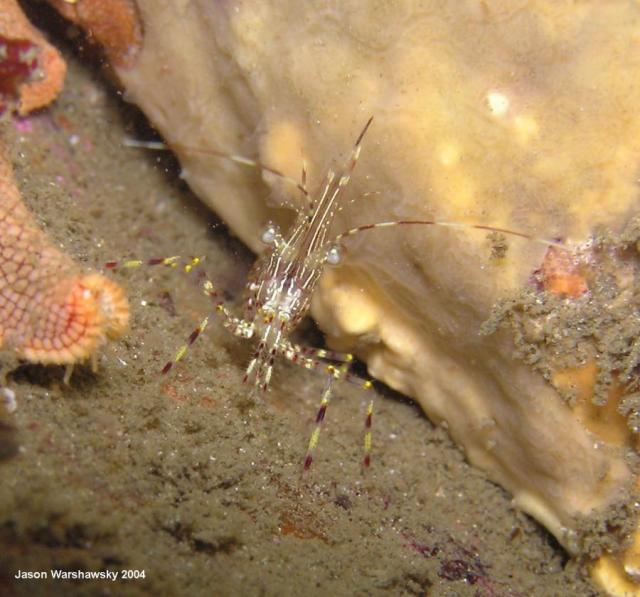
(315, 436)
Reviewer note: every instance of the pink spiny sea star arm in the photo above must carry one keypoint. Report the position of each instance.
(50, 311)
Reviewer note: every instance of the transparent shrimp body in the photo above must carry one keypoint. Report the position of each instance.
(282, 281)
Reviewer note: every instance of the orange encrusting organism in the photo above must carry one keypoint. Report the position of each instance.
(38, 87)
(114, 24)
(563, 276)
(50, 311)
(618, 572)
(566, 277)
(603, 420)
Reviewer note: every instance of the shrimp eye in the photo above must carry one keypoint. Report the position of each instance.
(269, 234)
(334, 255)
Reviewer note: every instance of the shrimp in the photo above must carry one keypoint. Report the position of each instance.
(282, 282)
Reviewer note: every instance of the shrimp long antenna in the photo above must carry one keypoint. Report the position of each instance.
(456, 225)
(364, 131)
(238, 159)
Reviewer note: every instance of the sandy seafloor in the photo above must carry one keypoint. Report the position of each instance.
(188, 479)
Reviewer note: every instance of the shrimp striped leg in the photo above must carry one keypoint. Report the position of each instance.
(316, 359)
(219, 308)
(320, 416)
(186, 265)
(366, 459)
(185, 347)
(315, 435)
(264, 357)
(310, 357)
(173, 262)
